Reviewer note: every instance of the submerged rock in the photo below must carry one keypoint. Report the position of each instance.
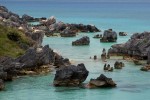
(101, 82)
(109, 36)
(82, 41)
(71, 75)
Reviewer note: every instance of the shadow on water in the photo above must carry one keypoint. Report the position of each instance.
(137, 88)
(66, 89)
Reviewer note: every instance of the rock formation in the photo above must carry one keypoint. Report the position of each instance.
(101, 82)
(122, 34)
(98, 36)
(71, 75)
(137, 46)
(109, 36)
(118, 65)
(82, 41)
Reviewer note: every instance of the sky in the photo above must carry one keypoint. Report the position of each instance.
(86, 0)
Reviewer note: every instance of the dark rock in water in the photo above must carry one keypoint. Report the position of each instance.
(71, 75)
(82, 41)
(101, 82)
(95, 57)
(148, 61)
(3, 9)
(26, 17)
(118, 65)
(2, 86)
(108, 68)
(109, 36)
(137, 62)
(137, 46)
(122, 34)
(98, 36)
(103, 55)
(67, 33)
(145, 68)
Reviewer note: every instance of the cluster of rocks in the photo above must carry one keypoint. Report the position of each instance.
(138, 47)
(109, 36)
(108, 68)
(74, 76)
(34, 61)
(98, 36)
(51, 26)
(101, 82)
(117, 65)
(122, 34)
(82, 41)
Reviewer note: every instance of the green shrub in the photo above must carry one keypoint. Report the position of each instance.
(14, 36)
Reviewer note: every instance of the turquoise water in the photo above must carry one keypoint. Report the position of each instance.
(132, 84)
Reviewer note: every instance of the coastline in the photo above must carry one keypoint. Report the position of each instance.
(94, 65)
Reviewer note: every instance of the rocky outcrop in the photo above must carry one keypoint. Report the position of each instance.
(98, 36)
(137, 46)
(118, 65)
(145, 68)
(71, 75)
(49, 21)
(108, 68)
(82, 41)
(122, 34)
(67, 33)
(101, 82)
(148, 61)
(109, 36)
(35, 61)
(61, 27)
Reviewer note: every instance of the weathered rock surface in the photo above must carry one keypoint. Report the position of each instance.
(108, 68)
(137, 46)
(101, 82)
(122, 34)
(98, 36)
(118, 65)
(82, 41)
(67, 33)
(109, 36)
(2, 86)
(71, 75)
(145, 68)
(60, 27)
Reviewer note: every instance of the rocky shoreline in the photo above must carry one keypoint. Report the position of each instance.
(40, 59)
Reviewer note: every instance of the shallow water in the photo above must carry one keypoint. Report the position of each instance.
(131, 82)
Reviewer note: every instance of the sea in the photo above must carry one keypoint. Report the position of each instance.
(130, 17)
